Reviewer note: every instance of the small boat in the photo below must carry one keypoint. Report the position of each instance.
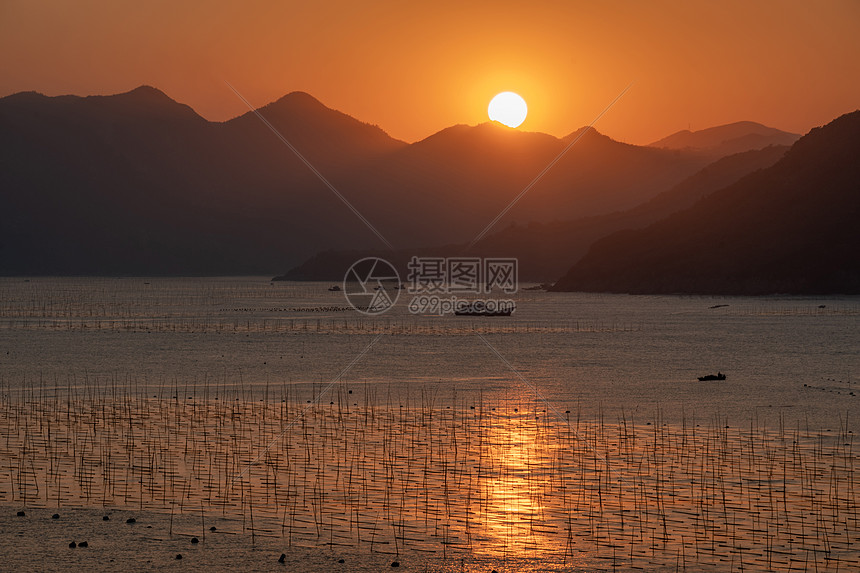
(480, 310)
(710, 377)
(334, 288)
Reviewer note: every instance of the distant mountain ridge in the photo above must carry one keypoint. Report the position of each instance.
(727, 139)
(137, 183)
(790, 228)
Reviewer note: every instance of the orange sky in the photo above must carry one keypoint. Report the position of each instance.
(415, 68)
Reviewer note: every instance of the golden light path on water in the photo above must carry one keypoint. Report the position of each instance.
(494, 480)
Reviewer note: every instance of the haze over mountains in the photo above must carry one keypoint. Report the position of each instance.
(790, 228)
(449, 186)
(546, 250)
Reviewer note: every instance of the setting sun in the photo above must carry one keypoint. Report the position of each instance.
(508, 108)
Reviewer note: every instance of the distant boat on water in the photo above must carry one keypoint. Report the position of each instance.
(710, 377)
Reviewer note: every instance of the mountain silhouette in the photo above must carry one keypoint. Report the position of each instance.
(137, 183)
(790, 228)
(727, 139)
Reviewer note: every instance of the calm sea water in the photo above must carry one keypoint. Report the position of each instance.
(251, 344)
(792, 357)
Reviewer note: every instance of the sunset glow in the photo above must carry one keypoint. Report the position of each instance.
(414, 71)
